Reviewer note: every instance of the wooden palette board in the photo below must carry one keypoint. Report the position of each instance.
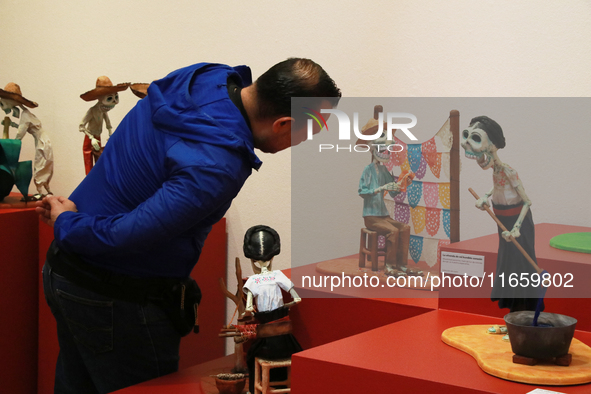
(495, 357)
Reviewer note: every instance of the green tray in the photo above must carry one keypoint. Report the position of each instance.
(575, 242)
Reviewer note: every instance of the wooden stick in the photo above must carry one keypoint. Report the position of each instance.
(228, 334)
(496, 219)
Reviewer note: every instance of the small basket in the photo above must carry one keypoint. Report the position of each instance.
(230, 383)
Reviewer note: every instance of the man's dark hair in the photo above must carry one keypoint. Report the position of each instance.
(492, 129)
(294, 77)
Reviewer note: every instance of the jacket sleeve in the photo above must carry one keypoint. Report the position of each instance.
(366, 183)
(184, 200)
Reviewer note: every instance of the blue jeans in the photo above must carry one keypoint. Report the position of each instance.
(107, 344)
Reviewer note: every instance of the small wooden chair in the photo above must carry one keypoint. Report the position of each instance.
(369, 247)
(262, 368)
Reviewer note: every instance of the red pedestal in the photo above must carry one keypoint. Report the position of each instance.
(207, 345)
(369, 345)
(18, 300)
(48, 346)
(555, 261)
(405, 357)
(324, 316)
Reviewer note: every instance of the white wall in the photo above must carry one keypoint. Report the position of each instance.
(55, 50)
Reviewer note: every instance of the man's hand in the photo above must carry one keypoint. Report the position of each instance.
(51, 207)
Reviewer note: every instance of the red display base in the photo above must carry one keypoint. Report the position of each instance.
(18, 300)
(407, 357)
(551, 259)
(13, 201)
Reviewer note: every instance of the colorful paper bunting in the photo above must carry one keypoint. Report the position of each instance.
(418, 218)
(402, 213)
(414, 156)
(430, 194)
(414, 192)
(446, 226)
(432, 221)
(444, 195)
(416, 247)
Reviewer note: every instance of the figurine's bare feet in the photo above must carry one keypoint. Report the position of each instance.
(412, 272)
(496, 329)
(391, 271)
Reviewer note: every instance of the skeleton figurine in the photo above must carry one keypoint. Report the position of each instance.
(92, 123)
(261, 244)
(374, 183)
(11, 99)
(481, 141)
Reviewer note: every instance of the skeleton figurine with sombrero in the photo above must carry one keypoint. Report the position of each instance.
(11, 99)
(107, 97)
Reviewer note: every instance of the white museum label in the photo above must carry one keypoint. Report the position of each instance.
(542, 391)
(462, 263)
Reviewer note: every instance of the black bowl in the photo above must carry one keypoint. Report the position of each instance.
(540, 342)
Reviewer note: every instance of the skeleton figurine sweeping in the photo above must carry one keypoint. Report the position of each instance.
(274, 339)
(92, 124)
(481, 141)
(11, 99)
(375, 182)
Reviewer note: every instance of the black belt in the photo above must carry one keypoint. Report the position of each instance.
(105, 282)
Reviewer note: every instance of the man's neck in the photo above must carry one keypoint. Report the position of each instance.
(259, 127)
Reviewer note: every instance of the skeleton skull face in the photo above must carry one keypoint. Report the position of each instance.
(257, 266)
(478, 146)
(108, 102)
(379, 148)
(7, 104)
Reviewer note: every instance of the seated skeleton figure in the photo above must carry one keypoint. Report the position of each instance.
(261, 244)
(375, 182)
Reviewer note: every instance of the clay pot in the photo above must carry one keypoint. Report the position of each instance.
(230, 386)
(540, 342)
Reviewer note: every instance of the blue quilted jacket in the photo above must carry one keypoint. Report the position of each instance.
(167, 174)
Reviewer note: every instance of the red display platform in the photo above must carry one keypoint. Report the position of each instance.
(324, 316)
(551, 259)
(407, 357)
(358, 341)
(18, 300)
(193, 380)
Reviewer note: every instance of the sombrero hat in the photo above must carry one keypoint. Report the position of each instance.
(104, 86)
(13, 92)
(370, 128)
(140, 89)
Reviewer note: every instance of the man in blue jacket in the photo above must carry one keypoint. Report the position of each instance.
(136, 224)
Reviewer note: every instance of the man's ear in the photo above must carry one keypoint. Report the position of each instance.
(282, 125)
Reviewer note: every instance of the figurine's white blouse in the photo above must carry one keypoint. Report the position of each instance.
(506, 180)
(266, 288)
